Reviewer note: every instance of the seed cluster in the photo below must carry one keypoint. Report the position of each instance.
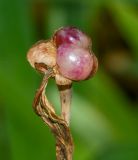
(74, 57)
(68, 52)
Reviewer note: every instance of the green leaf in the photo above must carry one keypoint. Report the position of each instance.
(125, 17)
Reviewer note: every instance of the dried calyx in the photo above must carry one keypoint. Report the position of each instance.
(67, 53)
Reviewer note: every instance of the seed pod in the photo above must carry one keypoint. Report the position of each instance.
(68, 54)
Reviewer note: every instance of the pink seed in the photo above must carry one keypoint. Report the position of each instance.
(72, 36)
(74, 63)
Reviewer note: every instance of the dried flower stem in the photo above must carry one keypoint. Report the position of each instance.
(59, 126)
(65, 99)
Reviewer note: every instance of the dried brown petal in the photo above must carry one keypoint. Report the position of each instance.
(43, 52)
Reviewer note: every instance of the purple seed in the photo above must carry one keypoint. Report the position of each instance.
(72, 36)
(74, 62)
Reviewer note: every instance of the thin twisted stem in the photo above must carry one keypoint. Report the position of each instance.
(59, 126)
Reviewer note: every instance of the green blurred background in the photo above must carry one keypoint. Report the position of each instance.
(104, 119)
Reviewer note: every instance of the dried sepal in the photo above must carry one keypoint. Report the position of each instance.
(60, 80)
(44, 53)
(94, 66)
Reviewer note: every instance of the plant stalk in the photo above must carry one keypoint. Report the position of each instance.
(65, 99)
(58, 125)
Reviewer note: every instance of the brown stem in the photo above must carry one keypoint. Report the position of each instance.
(65, 99)
(59, 127)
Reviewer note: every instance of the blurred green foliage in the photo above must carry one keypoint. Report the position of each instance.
(104, 109)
